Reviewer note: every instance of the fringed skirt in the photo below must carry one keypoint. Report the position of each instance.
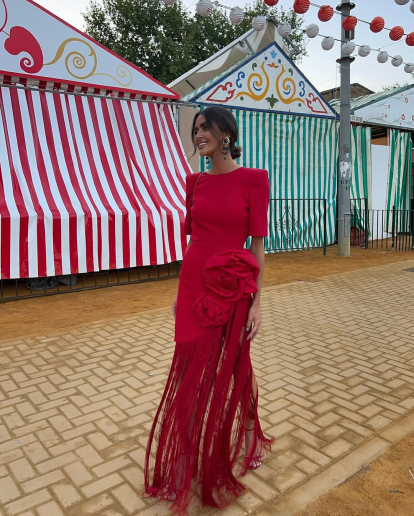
(196, 444)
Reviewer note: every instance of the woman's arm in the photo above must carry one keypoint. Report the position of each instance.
(253, 319)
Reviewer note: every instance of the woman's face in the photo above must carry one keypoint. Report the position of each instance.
(206, 142)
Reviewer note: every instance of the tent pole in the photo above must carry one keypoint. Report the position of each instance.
(171, 102)
(344, 164)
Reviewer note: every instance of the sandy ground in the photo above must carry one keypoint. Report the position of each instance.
(54, 314)
(385, 488)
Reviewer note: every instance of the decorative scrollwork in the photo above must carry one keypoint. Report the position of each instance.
(76, 61)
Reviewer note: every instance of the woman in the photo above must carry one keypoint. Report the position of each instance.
(209, 406)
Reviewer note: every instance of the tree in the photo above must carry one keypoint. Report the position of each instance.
(168, 41)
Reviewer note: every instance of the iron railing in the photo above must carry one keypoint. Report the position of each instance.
(381, 229)
(29, 288)
(296, 224)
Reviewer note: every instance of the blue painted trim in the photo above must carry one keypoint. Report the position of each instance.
(325, 117)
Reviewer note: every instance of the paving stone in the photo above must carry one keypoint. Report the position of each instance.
(76, 408)
(8, 490)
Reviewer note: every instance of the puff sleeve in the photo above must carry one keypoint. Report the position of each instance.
(190, 182)
(259, 204)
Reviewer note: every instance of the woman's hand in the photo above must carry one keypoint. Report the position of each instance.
(174, 307)
(253, 321)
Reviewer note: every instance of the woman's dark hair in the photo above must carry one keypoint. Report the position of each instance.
(220, 118)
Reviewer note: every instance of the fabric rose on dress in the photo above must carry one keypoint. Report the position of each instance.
(211, 310)
(232, 274)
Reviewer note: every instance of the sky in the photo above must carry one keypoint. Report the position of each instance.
(319, 66)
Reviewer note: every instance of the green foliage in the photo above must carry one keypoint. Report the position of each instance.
(394, 86)
(168, 41)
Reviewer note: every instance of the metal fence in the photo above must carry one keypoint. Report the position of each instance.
(36, 287)
(296, 224)
(381, 229)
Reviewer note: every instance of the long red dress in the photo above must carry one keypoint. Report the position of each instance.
(211, 392)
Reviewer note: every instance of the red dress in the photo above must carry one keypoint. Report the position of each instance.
(198, 431)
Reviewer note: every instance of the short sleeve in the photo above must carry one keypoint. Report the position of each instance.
(189, 189)
(259, 204)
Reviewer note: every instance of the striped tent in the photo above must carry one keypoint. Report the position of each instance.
(87, 184)
(399, 178)
(300, 153)
(287, 128)
(92, 172)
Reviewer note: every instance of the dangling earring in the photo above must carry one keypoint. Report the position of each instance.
(226, 145)
(207, 162)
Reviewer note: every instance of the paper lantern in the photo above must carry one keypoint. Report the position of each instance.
(169, 2)
(325, 13)
(364, 50)
(401, 2)
(204, 8)
(396, 61)
(271, 3)
(348, 48)
(328, 43)
(382, 57)
(410, 39)
(377, 24)
(301, 6)
(409, 68)
(412, 6)
(349, 23)
(312, 30)
(236, 15)
(259, 23)
(284, 29)
(396, 33)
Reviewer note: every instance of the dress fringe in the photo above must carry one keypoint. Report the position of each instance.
(199, 428)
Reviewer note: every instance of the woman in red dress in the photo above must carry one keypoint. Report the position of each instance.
(209, 406)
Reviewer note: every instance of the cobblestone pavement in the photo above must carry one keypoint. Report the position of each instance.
(335, 364)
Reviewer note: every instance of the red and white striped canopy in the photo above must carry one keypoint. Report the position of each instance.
(87, 184)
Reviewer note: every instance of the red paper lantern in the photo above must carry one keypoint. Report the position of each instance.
(377, 24)
(410, 39)
(301, 6)
(349, 23)
(271, 3)
(325, 13)
(396, 33)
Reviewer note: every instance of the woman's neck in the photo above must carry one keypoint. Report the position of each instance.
(222, 166)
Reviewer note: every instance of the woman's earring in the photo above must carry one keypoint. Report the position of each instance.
(207, 162)
(226, 145)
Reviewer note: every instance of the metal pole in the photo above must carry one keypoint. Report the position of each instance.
(344, 164)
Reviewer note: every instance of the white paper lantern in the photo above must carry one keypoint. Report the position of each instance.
(409, 68)
(169, 2)
(396, 61)
(236, 15)
(401, 2)
(412, 6)
(382, 57)
(259, 23)
(204, 8)
(284, 29)
(328, 43)
(364, 50)
(348, 48)
(312, 30)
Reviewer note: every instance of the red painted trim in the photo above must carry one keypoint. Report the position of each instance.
(75, 83)
(173, 95)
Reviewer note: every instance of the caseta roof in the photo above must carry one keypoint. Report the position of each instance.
(266, 81)
(393, 108)
(37, 45)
